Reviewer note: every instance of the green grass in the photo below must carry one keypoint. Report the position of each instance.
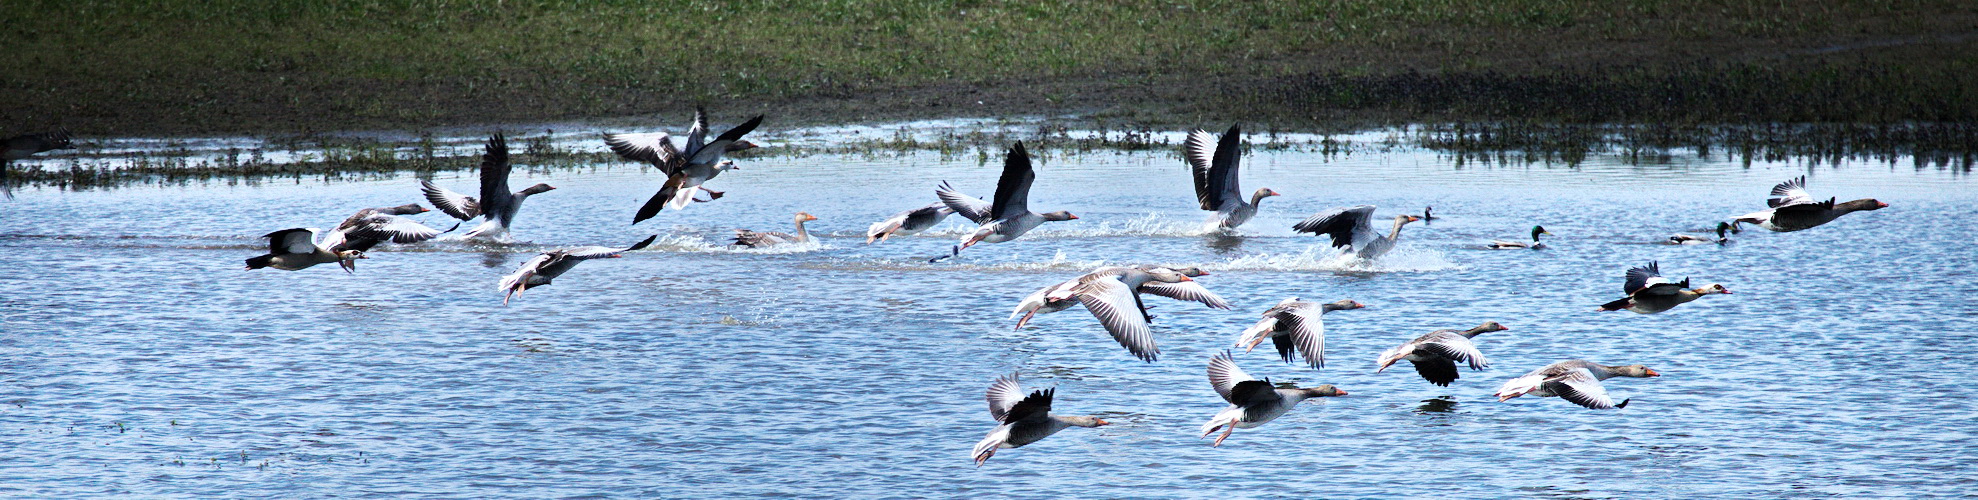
(233, 66)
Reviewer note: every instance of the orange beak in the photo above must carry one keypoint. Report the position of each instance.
(1342, 392)
(1652, 373)
(1101, 421)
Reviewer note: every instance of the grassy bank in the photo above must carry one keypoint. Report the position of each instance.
(241, 66)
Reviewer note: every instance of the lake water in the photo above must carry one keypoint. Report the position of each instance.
(137, 358)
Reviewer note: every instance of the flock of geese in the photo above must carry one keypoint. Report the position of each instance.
(1112, 294)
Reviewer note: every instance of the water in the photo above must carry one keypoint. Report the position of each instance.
(141, 360)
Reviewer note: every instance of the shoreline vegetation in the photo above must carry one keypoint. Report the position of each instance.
(1550, 80)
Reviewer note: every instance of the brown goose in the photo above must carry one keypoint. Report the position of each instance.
(1216, 179)
(1024, 420)
(1792, 209)
(753, 239)
(1252, 402)
(1436, 353)
(1575, 380)
(496, 207)
(1649, 292)
(686, 169)
(1352, 228)
(1112, 294)
(1294, 323)
(546, 267)
(1009, 214)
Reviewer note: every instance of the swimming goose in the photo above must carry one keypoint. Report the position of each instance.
(685, 168)
(1039, 302)
(1294, 323)
(1009, 214)
(297, 249)
(1024, 420)
(1252, 402)
(1575, 380)
(496, 207)
(1352, 228)
(1510, 245)
(752, 239)
(1436, 353)
(1792, 209)
(1723, 236)
(1649, 292)
(544, 268)
(1216, 179)
(371, 226)
(921, 219)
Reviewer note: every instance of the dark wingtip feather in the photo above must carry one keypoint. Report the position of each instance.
(1624, 404)
(643, 243)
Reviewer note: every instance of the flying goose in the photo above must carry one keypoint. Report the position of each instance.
(371, 226)
(296, 249)
(1792, 209)
(1649, 292)
(1723, 236)
(25, 145)
(1112, 294)
(1575, 380)
(1252, 402)
(1039, 302)
(544, 268)
(1023, 420)
(752, 239)
(1352, 228)
(924, 218)
(1009, 214)
(1436, 353)
(1216, 178)
(1294, 323)
(1513, 245)
(685, 168)
(496, 206)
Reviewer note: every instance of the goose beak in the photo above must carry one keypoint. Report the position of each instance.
(1342, 392)
(1881, 205)
(1185, 278)
(1101, 421)
(1652, 373)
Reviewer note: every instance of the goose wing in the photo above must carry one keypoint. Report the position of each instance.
(495, 196)
(1789, 193)
(458, 205)
(362, 234)
(1455, 347)
(655, 148)
(295, 240)
(1035, 406)
(1118, 308)
(711, 152)
(1013, 188)
(970, 207)
(1224, 375)
(1307, 333)
(1199, 153)
(1579, 386)
(1222, 173)
(1186, 291)
(1350, 226)
(1640, 277)
(599, 252)
(697, 135)
(1004, 394)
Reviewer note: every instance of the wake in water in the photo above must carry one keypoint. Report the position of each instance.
(1324, 258)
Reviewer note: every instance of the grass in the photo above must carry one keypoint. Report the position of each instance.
(139, 67)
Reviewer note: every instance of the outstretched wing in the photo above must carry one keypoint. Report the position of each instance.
(1351, 226)
(1579, 386)
(1224, 375)
(969, 207)
(458, 205)
(1036, 405)
(711, 152)
(1013, 188)
(495, 196)
(654, 148)
(1003, 395)
(1118, 309)
(296, 240)
(1640, 277)
(1222, 174)
(1187, 290)
(588, 253)
(1789, 193)
(1199, 153)
(697, 135)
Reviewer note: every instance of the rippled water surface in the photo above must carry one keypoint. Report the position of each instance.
(138, 358)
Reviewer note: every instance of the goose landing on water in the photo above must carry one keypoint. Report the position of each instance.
(496, 206)
(1252, 402)
(1352, 228)
(1575, 380)
(1024, 420)
(546, 267)
(1792, 209)
(1216, 177)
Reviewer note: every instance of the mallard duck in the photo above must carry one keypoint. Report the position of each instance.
(1724, 230)
(1512, 245)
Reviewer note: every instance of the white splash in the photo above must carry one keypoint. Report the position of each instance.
(1324, 258)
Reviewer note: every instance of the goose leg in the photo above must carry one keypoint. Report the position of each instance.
(1226, 433)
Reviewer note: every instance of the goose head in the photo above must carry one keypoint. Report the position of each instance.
(348, 259)
(1262, 193)
(1710, 289)
(1342, 305)
(1166, 275)
(1059, 216)
(1323, 391)
(538, 189)
(803, 217)
(1085, 421)
(1636, 371)
(739, 146)
(1862, 204)
(1490, 326)
(1400, 220)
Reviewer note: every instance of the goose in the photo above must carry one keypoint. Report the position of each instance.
(25, 145)
(1023, 420)
(297, 249)
(1294, 323)
(371, 226)
(1216, 178)
(1009, 214)
(1511, 245)
(1038, 302)
(921, 219)
(496, 207)
(1649, 292)
(1252, 402)
(1723, 236)
(752, 239)
(1575, 380)
(1352, 228)
(545, 267)
(685, 168)
(1436, 353)
(1792, 209)
(1112, 294)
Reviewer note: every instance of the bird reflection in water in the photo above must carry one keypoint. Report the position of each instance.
(1444, 404)
(1224, 243)
(494, 259)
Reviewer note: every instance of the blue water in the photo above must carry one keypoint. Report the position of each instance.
(138, 358)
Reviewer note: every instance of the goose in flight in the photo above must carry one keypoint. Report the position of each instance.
(752, 239)
(1352, 228)
(544, 268)
(1039, 302)
(1792, 209)
(496, 206)
(297, 249)
(1252, 402)
(1575, 380)
(1216, 177)
(1009, 213)
(1295, 324)
(1112, 294)
(371, 226)
(1649, 292)
(1435, 354)
(685, 168)
(1023, 419)
(924, 218)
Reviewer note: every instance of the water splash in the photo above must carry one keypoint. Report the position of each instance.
(1322, 258)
